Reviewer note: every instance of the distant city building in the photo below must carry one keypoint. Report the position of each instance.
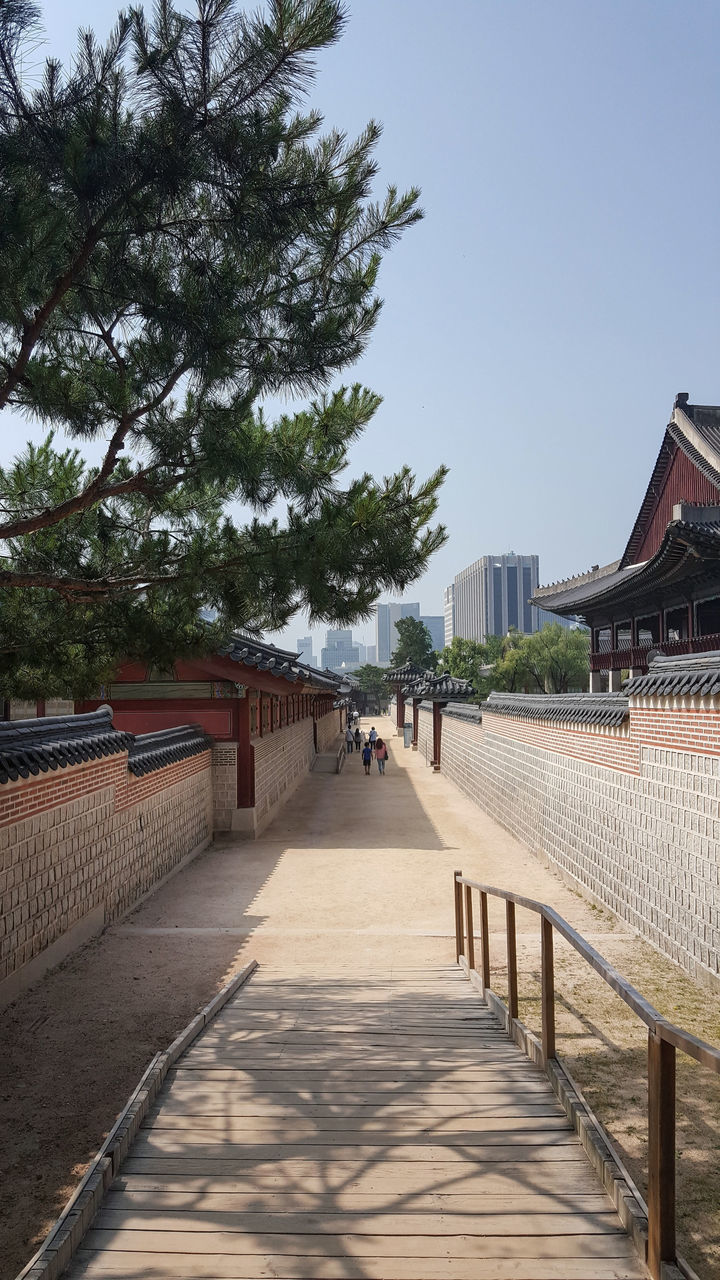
(371, 654)
(362, 652)
(493, 594)
(340, 652)
(305, 647)
(435, 624)
(386, 638)
(449, 613)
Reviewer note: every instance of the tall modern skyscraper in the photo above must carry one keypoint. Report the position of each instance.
(449, 613)
(492, 595)
(386, 615)
(305, 647)
(435, 624)
(340, 653)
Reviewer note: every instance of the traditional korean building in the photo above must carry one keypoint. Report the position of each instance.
(663, 594)
(267, 712)
(414, 687)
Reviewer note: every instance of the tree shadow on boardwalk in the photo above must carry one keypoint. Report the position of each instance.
(350, 1129)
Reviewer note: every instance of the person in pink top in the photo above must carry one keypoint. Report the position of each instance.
(381, 753)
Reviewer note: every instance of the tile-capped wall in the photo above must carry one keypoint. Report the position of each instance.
(88, 837)
(631, 814)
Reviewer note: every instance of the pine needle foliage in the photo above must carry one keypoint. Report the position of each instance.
(180, 242)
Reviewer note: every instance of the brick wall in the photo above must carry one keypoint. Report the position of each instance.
(89, 840)
(328, 731)
(224, 782)
(425, 731)
(630, 813)
(281, 759)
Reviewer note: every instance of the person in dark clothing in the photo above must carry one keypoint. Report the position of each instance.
(358, 740)
(367, 758)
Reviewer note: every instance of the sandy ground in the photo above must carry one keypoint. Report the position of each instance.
(356, 871)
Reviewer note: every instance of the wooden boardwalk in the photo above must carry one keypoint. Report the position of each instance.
(355, 1127)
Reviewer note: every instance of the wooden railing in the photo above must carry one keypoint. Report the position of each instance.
(663, 1038)
(636, 655)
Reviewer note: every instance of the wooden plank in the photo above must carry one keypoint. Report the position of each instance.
(606, 1245)
(159, 1147)
(397, 1176)
(391, 1128)
(118, 1265)
(296, 1201)
(297, 1083)
(233, 1108)
(428, 1225)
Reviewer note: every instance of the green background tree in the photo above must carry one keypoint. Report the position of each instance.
(371, 680)
(552, 660)
(414, 644)
(179, 243)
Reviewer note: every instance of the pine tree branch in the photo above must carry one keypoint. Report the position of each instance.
(98, 490)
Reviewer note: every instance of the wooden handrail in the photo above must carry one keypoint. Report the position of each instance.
(664, 1038)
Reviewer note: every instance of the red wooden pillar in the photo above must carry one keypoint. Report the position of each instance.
(400, 709)
(416, 721)
(245, 758)
(437, 733)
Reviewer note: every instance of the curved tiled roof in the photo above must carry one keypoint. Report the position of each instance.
(688, 548)
(573, 708)
(278, 662)
(404, 674)
(32, 747)
(151, 751)
(54, 742)
(677, 676)
(463, 711)
(442, 688)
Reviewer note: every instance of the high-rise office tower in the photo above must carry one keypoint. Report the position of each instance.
(436, 626)
(386, 638)
(493, 594)
(305, 647)
(340, 653)
(449, 613)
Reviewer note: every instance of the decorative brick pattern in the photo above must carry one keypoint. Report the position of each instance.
(329, 728)
(224, 782)
(280, 760)
(425, 732)
(92, 836)
(630, 814)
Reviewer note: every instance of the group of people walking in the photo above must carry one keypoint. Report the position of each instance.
(369, 745)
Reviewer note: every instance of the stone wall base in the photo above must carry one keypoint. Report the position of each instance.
(75, 937)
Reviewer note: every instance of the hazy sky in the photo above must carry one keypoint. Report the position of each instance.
(564, 285)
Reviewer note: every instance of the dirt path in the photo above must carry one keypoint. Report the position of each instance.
(356, 870)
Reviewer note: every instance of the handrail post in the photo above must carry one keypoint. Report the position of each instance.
(548, 990)
(511, 959)
(661, 1154)
(470, 953)
(485, 941)
(458, 916)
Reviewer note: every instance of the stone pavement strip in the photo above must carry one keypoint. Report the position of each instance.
(348, 1125)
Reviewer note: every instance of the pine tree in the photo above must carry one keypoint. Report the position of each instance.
(179, 243)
